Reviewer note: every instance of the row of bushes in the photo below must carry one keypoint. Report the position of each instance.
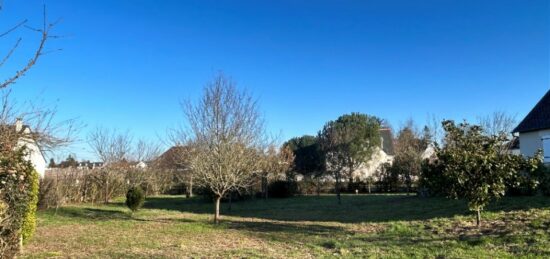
(71, 185)
(431, 182)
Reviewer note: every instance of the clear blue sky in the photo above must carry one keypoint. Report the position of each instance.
(127, 64)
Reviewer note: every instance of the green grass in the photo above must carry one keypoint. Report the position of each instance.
(302, 227)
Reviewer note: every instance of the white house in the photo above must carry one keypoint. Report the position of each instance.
(534, 130)
(383, 155)
(34, 153)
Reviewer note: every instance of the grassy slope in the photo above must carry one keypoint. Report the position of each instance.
(304, 227)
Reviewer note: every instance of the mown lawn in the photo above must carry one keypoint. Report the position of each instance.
(301, 227)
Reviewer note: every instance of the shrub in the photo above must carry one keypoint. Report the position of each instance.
(16, 181)
(282, 189)
(310, 185)
(543, 175)
(135, 198)
(29, 220)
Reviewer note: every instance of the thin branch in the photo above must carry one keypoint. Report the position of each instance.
(39, 52)
(12, 50)
(13, 28)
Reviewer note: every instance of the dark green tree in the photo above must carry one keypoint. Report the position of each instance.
(70, 162)
(52, 163)
(475, 166)
(347, 143)
(135, 198)
(308, 159)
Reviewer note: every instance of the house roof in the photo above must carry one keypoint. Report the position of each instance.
(172, 157)
(387, 137)
(538, 118)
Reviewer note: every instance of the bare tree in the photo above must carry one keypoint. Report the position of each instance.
(409, 149)
(499, 122)
(226, 131)
(114, 149)
(45, 35)
(146, 151)
(12, 134)
(44, 129)
(110, 146)
(433, 126)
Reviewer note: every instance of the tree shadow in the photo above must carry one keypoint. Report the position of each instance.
(354, 208)
(104, 214)
(91, 213)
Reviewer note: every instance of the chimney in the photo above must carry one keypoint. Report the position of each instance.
(18, 125)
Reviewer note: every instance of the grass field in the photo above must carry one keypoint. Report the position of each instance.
(301, 227)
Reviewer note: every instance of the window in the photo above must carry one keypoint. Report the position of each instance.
(546, 148)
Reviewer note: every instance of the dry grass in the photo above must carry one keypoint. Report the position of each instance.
(302, 227)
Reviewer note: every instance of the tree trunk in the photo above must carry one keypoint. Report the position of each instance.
(368, 186)
(217, 210)
(478, 218)
(106, 191)
(191, 186)
(338, 190)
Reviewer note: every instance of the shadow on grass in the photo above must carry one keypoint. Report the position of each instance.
(285, 228)
(354, 208)
(104, 213)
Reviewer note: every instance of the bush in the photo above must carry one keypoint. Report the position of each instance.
(16, 183)
(29, 220)
(433, 182)
(282, 189)
(135, 198)
(543, 175)
(312, 186)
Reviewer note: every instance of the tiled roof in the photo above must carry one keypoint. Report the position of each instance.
(538, 118)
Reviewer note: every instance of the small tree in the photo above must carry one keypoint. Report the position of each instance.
(135, 198)
(409, 148)
(348, 143)
(114, 150)
(275, 165)
(226, 133)
(474, 165)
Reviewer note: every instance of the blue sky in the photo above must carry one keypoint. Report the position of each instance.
(127, 64)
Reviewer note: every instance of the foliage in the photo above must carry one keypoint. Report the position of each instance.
(135, 197)
(388, 178)
(407, 162)
(70, 161)
(433, 181)
(275, 165)
(71, 185)
(29, 221)
(308, 159)
(282, 189)
(16, 194)
(474, 167)
(543, 175)
(347, 143)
